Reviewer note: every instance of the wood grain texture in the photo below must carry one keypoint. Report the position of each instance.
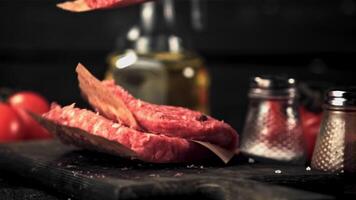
(88, 175)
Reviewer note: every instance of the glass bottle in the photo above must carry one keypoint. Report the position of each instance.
(335, 149)
(272, 129)
(156, 66)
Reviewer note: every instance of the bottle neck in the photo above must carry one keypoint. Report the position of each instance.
(158, 17)
(281, 94)
(158, 29)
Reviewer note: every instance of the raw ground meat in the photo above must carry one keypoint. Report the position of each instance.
(176, 121)
(100, 4)
(90, 5)
(148, 147)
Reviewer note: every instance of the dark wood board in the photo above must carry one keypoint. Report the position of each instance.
(89, 175)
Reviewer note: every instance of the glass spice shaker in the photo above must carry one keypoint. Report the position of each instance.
(272, 129)
(335, 149)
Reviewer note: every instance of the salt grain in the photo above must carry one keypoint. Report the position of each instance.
(278, 171)
(308, 168)
(74, 173)
(178, 174)
(251, 160)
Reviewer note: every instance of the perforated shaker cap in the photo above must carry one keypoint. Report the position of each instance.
(341, 97)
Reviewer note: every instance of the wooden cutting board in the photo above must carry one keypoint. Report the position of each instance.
(90, 175)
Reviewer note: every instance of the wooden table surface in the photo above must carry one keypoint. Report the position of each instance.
(50, 170)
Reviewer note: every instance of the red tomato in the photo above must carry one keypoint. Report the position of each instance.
(275, 123)
(29, 101)
(11, 126)
(311, 124)
(33, 102)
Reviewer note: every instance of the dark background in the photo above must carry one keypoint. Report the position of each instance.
(312, 40)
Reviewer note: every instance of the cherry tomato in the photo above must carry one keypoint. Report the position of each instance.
(11, 126)
(276, 125)
(311, 124)
(29, 101)
(33, 102)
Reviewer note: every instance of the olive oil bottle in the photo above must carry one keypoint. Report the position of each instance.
(156, 66)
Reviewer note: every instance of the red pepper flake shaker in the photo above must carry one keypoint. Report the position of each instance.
(335, 149)
(272, 129)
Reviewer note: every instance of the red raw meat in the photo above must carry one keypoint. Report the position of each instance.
(99, 4)
(88, 5)
(148, 147)
(176, 121)
(125, 131)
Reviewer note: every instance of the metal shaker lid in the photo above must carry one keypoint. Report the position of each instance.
(341, 97)
(272, 87)
(272, 82)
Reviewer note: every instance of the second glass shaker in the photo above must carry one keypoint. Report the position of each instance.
(272, 129)
(335, 149)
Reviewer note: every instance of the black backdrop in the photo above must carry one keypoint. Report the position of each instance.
(40, 45)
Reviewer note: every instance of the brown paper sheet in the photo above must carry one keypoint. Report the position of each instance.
(107, 103)
(224, 154)
(75, 6)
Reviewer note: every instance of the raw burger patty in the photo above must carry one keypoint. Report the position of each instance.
(176, 121)
(148, 147)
